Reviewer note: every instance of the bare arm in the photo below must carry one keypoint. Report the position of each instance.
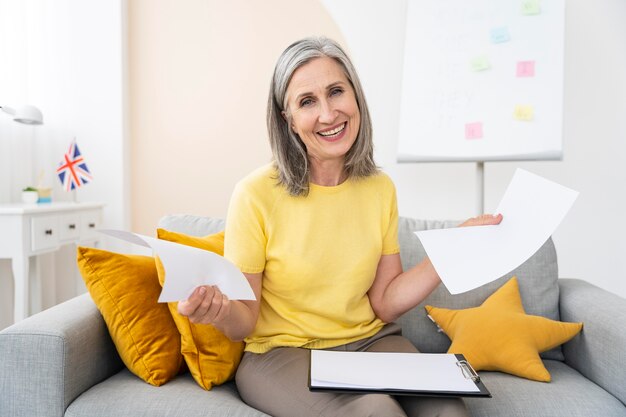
(235, 318)
(394, 292)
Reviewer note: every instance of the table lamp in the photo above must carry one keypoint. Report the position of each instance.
(29, 115)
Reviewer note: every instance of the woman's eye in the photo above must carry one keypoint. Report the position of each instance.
(336, 91)
(306, 102)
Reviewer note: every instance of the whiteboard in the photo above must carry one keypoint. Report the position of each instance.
(482, 81)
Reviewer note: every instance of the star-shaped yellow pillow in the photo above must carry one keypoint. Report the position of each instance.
(500, 336)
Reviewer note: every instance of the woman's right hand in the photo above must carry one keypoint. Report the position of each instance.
(235, 318)
(206, 305)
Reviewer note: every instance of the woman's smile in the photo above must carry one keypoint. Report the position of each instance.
(335, 133)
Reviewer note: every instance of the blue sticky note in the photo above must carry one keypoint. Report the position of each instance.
(500, 35)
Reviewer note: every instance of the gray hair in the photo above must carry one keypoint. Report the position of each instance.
(288, 150)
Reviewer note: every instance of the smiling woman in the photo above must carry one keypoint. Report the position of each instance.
(316, 89)
(316, 234)
(322, 111)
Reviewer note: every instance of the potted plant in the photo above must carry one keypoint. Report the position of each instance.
(30, 195)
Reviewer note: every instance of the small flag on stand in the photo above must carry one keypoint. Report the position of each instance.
(73, 171)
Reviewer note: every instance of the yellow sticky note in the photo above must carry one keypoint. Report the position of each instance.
(524, 113)
(480, 63)
(531, 7)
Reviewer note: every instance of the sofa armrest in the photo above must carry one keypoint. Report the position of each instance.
(598, 352)
(49, 359)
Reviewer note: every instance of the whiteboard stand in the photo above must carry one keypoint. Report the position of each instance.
(480, 187)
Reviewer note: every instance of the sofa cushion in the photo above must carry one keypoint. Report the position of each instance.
(499, 336)
(568, 395)
(537, 283)
(213, 242)
(192, 225)
(211, 357)
(123, 394)
(125, 288)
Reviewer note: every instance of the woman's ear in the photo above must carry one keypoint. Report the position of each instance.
(291, 126)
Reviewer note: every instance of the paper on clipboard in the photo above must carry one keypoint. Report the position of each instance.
(411, 372)
(468, 257)
(188, 267)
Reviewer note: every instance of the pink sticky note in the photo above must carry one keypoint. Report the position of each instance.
(474, 130)
(526, 68)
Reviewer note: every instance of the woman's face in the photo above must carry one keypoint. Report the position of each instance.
(323, 108)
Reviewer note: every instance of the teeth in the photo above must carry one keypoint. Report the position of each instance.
(334, 131)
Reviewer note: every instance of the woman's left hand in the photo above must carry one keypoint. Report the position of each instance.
(483, 220)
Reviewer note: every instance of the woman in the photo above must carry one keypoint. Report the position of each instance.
(315, 233)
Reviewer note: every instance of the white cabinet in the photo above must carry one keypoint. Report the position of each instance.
(32, 229)
(89, 224)
(44, 233)
(69, 227)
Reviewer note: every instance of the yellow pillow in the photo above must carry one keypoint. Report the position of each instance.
(211, 357)
(125, 288)
(500, 336)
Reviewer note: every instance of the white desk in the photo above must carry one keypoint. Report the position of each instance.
(33, 229)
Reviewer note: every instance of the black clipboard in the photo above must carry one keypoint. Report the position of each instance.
(465, 369)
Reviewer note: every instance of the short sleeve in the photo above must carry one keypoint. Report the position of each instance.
(390, 236)
(245, 241)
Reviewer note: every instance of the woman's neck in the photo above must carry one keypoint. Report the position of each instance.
(328, 173)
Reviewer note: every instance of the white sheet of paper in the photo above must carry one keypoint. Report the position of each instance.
(376, 370)
(187, 267)
(468, 257)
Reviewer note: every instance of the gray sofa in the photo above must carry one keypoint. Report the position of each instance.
(62, 361)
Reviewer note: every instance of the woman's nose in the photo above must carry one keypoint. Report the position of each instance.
(327, 112)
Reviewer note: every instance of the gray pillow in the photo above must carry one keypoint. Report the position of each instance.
(192, 225)
(537, 279)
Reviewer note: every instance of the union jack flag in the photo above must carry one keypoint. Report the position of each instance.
(73, 171)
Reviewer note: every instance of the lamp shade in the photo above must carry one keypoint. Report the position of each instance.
(29, 115)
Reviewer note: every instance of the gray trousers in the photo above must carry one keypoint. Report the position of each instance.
(276, 383)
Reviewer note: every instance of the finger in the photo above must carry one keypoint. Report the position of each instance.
(213, 305)
(202, 308)
(224, 309)
(483, 219)
(209, 308)
(190, 305)
(491, 219)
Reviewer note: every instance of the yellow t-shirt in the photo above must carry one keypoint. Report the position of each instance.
(318, 255)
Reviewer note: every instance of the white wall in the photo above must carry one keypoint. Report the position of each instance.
(199, 78)
(590, 241)
(72, 64)
(67, 57)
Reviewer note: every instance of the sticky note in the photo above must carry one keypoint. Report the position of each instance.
(524, 113)
(500, 35)
(526, 68)
(474, 130)
(530, 7)
(479, 63)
